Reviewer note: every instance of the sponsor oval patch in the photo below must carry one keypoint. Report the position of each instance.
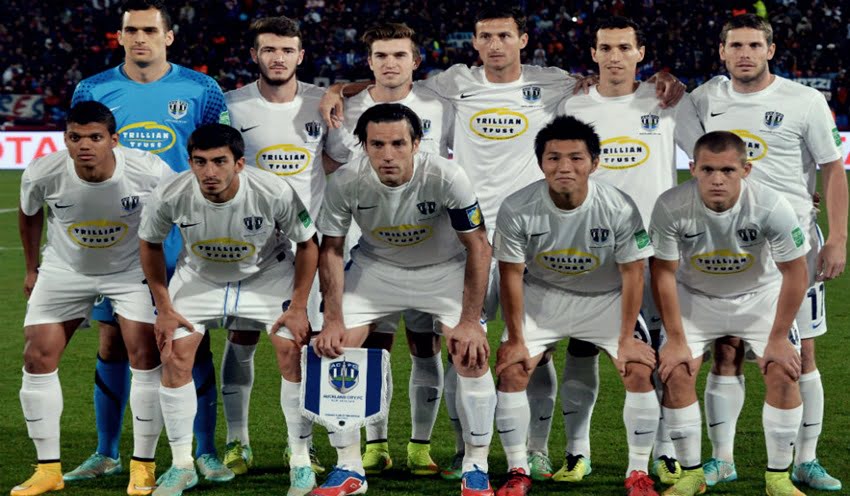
(498, 124)
(403, 235)
(225, 250)
(284, 160)
(569, 262)
(756, 147)
(623, 152)
(148, 136)
(97, 233)
(722, 262)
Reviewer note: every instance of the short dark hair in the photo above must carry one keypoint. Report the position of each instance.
(388, 112)
(720, 141)
(618, 22)
(91, 111)
(145, 5)
(391, 31)
(751, 21)
(502, 12)
(567, 127)
(281, 26)
(215, 135)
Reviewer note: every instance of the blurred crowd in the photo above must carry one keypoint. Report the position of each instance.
(47, 47)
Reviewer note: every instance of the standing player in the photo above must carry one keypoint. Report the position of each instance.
(638, 156)
(432, 259)
(742, 273)
(236, 271)
(95, 192)
(571, 254)
(284, 134)
(156, 104)
(789, 132)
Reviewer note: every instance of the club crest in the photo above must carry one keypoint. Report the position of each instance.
(129, 203)
(531, 93)
(313, 128)
(773, 119)
(599, 234)
(427, 207)
(426, 126)
(649, 122)
(343, 375)
(253, 223)
(747, 235)
(178, 109)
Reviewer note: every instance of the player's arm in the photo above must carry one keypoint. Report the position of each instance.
(630, 348)
(779, 349)
(668, 89)
(328, 164)
(168, 320)
(30, 228)
(295, 316)
(331, 106)
(676, 351)
(513, 350)
(833, 255)
(331, 281)
(468, 334)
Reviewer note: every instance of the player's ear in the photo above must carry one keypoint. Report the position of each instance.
(523, 40)
(416, 145)
(722, 51)
(693, 167)
(593, 54)
(240, 164)
(748, 167)
(254, 54)
(770, 51)
(300, 56)
(114, 139)
(594, 163)
(169, 38)
(642, 51)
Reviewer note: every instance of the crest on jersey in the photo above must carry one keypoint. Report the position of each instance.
(253, 223)
(531, 93)
(649, 122)
(773, 119)
(129, 203)
(178, 109)
(747, 234)
(599, 234)
(426, 126)
(427, 207)
(343, 375)
(313, 128)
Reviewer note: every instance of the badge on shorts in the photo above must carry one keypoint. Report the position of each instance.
(642, 239)
(797, 235)
(304, 217)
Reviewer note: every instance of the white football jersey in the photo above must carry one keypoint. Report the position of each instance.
(727, 253)
(284, 138)
(227, 242)
(92, 228)
(576, 250)
(787, 127)
(434, 113)
(638, 140)
(496, 123)
(412, 225)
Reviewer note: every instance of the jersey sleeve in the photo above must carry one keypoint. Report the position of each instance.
(32, 194)
(292, 216)
(631, 241)
(82, 93)
(215, 108)
(156, 219)
(462, 204)
(335, 214)
(509, 240)
(338, 143)
(688, 125)
(784, 234)
(821, 134)
(662, 233)
(444, 84)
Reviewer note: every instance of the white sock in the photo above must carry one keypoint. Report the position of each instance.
(685, 425)
(476, 402)
(811, 389)
(347, 444)
(179, 406)
(542, 390)
(449, 390)
(579, 389)
(237, 380)
(780, 432)
(426, 387)
(41, 401)
(724, 399)
(377, 432)
(147, 413)
(640, 415)
(475, 457)
(299, 430)
(512, 415)
(663, 444)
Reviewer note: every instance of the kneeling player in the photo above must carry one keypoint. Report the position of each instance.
(571, 255)
(236, 271)
(424, 248)
(743, 275)
(95, 192)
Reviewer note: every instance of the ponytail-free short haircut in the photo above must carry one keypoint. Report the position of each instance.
(563, 128)
(281, 26)
(719, 142)
(91, 111)
(498, 11)
(216, 135)
(147, 5)
(751, 21)
(389, 112)
(391, 31)
(617, 22)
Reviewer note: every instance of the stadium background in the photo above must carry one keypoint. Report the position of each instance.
(47, 47)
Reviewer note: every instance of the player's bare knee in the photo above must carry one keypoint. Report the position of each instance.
(470, 370)
(638, 377)
(40, 359)
(111, 345)
(680, 387)
(514, 379)
(244, 338)
(144, 357)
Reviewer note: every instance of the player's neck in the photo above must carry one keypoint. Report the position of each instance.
(383, 94)
(96, 173)
(753, 85)
(148, 73)
(610, 89)
(568, 201)
(507, 74)
(283, 93)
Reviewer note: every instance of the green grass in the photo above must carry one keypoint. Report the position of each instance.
(268, 432)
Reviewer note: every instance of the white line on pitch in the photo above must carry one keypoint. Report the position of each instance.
(7, 210)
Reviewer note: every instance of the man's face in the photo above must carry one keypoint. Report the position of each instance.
(498, 43)
(719, 177)
(746, 54)
(391, 151)
(144, 37)
(89, 145)
(393, 62)
(617, 54)
(216, 170)
(278, 57)
(566, 165)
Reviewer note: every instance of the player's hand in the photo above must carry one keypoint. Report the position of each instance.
(468, 342)
(331, 107)
(511, 353)
(634, 351)
(831, 260)
(166, 323)
(781, 352)
(668, 89)
(674, 353)
(295, 320)
(816, 201)
(584, 83)
(329, 342)
(29, 282)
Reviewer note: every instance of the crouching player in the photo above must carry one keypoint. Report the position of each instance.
(571, 254)
(236, 271)
(742, 274)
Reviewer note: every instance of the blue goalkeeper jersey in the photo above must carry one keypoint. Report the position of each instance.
(157, 117)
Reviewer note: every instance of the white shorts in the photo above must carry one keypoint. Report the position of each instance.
(552, 315)
(749, 317)
(252, 304)
(811, 317)
(375, 290)
(61, 295)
